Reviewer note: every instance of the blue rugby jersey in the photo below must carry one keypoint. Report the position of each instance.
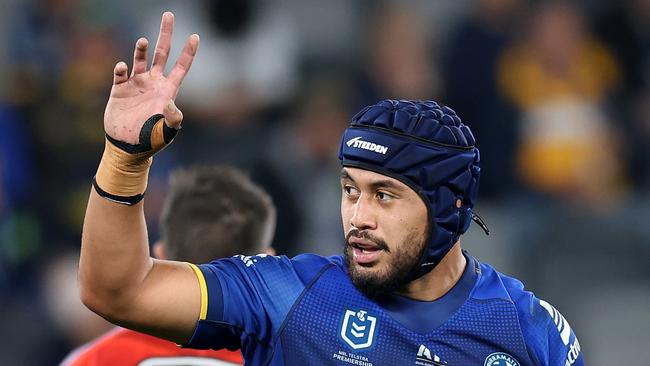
(306, 311)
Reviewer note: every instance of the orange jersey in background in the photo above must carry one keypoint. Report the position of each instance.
(125, 347)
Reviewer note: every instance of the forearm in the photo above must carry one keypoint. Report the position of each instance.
(114, 253)
(121, 282)
(114, 249)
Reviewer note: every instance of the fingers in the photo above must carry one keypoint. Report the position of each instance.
(120, 73)
(184, 61)
(163, 45)
(140, 56)
(173, 115)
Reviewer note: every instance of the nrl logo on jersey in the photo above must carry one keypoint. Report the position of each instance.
(358, 329)
(500, 359)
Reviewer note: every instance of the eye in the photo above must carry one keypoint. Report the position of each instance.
(383, 196)
(350, 190)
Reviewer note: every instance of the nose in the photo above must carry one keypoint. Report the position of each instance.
(363, 215)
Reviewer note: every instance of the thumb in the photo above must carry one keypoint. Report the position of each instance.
(173, 115)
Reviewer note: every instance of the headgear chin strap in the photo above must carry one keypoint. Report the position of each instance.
(425, 146)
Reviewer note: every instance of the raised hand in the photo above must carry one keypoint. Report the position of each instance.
(141, 117)
(145, 93)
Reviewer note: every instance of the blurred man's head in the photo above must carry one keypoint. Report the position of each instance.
(214, 212)
(397, 29)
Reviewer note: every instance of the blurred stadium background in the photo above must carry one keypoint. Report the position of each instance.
(558, 94)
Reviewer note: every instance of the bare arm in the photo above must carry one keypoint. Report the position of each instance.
(118, 278)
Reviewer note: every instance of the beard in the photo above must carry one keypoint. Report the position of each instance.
(398, 271)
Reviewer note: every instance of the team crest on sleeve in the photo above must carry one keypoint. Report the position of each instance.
(358, 329)
(500, 359)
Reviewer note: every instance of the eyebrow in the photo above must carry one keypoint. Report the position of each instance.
(383, 183)
(386, 184)
(346, 175)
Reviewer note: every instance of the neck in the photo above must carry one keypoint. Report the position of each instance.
(440, 280)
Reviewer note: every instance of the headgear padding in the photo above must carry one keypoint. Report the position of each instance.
(427, 147)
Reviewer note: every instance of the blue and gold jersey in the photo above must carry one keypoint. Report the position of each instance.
(306, 311)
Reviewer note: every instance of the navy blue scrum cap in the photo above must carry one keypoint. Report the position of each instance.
(426, 146)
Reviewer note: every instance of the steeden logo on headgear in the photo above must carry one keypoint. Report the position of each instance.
(366, 145)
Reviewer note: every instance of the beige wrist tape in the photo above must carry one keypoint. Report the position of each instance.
(124, 169)
(123, 174)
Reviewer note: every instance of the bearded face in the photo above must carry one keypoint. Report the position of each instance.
(386, 224)
(396, 272)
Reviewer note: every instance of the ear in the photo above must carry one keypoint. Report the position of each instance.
(159, 250)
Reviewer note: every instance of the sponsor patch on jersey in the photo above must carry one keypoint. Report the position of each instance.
(500, 359)
(358, 329)
(424, 357)
(250, 260)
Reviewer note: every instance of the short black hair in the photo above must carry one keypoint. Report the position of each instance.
(215, 211)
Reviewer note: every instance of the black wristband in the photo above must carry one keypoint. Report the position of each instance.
(129, 201)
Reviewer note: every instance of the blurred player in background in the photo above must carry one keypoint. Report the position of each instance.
(210, 212)
(403, 292)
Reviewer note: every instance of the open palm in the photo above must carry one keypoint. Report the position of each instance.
(145, 93)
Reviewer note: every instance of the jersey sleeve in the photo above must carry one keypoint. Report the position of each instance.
(244, 300)
(549, 337)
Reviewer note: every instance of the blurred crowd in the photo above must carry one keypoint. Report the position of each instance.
(556, 92)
